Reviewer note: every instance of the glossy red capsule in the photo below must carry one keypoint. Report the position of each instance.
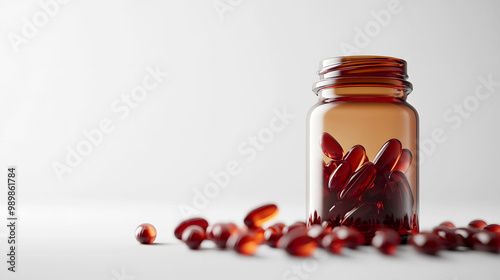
(426, 243)
(329, 167)
(145, 233)
(272, 235)
(404, 161)
(191, 222)
(351, 237)
(244, 243)
(356, 156)
(492, 228)
(340, 176)
(295, 226)
(486, 241)
(338, 211)
(478, 224)
(257, 232)
(260, 215)
(219, 233)
(363, 213)
(386, 240)
(317, 232)
(193, 236)
(447, 224)
(301, 245)
(464, 236)
(404, 187)
(359, 182)
(450, 239)
(332, 243)
(331, 148)
(388, 156)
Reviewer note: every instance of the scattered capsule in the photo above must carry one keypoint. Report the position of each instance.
(359, 182)
(301, 245)
(244, 243)
(258, 216)
(145, 233)
(351, 237)
(492, 228)
(191, 222)
(272, 234)
(339, 177)
(478, 224)
(388, 156)
(257, 232)
(356, 156)
(219, 233)
(333, 243)
(464, 236)
(317, 232)
(450, 239)
(426, 243)
(331, 148)
(447, 224)
(486, 241)
(404, 161)
(386, 240)
(193, 236)
(301, 226)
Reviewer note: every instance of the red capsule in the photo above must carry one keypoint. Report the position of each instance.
(295, 226)
(301, 246)
(193, 236)
(351, 237)
(427, 243)
(329, 167)
(486, 241)
(448, 236)
(318, 233)
(331, 148)
(191, 222)
(363, 213)
(332, 243)
(386, 240)
(478, 224)
(258, 216)
(398, 195)
(359, 182)
(339, 177)
(388, 156)
(258, 233)
(244, 243)
(272, 235)
(145, 233)
(464, 236)
(356, 156)
(492, 228)
(447, 224)
(404, 161)
(219, 233)
(338, 211)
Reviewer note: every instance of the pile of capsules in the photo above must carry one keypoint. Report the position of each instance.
(301, 240)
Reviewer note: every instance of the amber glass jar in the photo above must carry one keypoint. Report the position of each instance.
(362, 167)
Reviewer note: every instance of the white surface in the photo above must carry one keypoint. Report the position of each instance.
(226, 78)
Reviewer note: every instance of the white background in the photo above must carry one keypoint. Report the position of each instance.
(229, 70)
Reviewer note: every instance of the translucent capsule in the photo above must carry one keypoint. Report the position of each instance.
(328, 168)
(359, 182)
(386, 240)
(363, 213)
(492, 228)
(426, 243)
(333, 243)
(301, 245)
(257, 232)
(404, 189)
(317, 232)
(447, 224)
(339, 177)
(350, 237)
(464, 236)
(404, 161)
(258, 216)
(145, 233)
(338, 211)
(448, 236)
(486, 241)
(356, 156)
(219, 233)
(331, 148)
(272, 234)
(295, 226)
(244, 243)
(193, 236)
(478, 224)
(194, 221)
(388, 156)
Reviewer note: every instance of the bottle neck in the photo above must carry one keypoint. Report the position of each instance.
(362, 93)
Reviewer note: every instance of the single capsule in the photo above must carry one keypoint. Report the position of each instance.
(244, 243)
(486, 241)
(386, 240)
(448, 236)
(219, 233)
(339, 177)
(257, 217)
(404, 161)
(317, 232)
(478, 224)
(331, 148)
(387, 156)
(301, 245)
(359, 182)
(426, 243)
(300, 226)
(332, 243)
(191, 222)
(193, 236)
(145, 233)
(272, 235)
(356, 156)
(492, 228)
(351, 237)
(447, 224)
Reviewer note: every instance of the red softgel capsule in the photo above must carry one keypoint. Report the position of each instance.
(318, 233)
(386, 240)
(219, 233)
(447, 224)
(404, 161)
(272, 235)
(363, 213)
(191, 222)
(486, 241)
(450, 240)
(257, 217)
(388, 156)
(350, 237)
(492, 228)
(331, 148)
(145, 233)
(301, 245)
(426, 243)
(359, 182)
(340, 176)
(464, 236)
(477, 224)
(244, 243)
(332, 243)
(297, 226)
(193, 236)
(356, 156)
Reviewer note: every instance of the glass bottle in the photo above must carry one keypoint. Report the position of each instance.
(362, 168)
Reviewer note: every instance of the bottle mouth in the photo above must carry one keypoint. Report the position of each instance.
(363, 71)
